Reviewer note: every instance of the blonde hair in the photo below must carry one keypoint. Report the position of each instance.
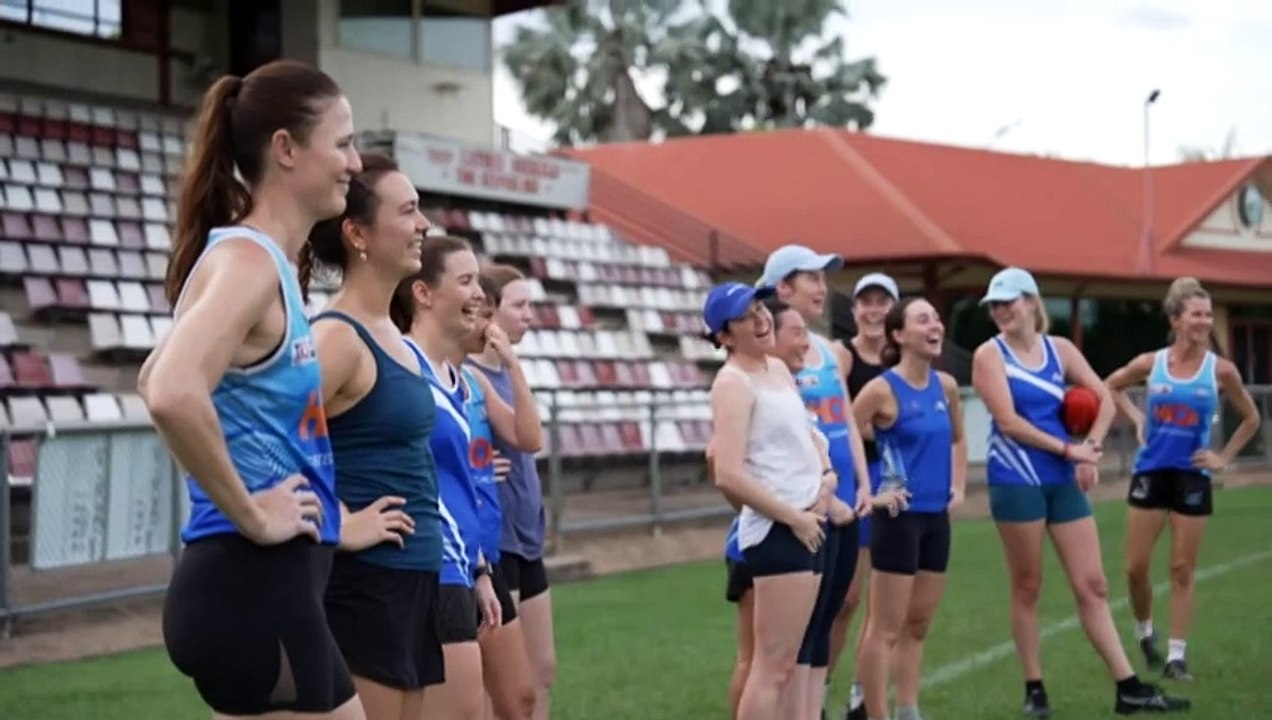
(1181, 291)
(1042, 321)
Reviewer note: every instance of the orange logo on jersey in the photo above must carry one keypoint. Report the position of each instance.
(313, 422)
(828, 410)
(1177, 415)
(481, 454)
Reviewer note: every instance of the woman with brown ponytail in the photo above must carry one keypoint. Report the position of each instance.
(235, 391)
(1171, 477)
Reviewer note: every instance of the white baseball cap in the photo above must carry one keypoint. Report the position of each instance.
(877, 280)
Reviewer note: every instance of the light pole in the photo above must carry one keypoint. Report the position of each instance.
(1146, 240)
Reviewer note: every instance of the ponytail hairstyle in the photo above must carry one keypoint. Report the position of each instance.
(894, 322)
(326, 247)
(433, 255)
(233, 132)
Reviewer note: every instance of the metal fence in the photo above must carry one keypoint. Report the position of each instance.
(104, 503)
(671, 485)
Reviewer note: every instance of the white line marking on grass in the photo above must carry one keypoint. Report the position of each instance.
(955, 670)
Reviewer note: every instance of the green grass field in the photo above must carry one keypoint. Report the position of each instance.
(659, 644)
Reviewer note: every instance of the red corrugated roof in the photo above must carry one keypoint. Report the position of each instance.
(873, 199)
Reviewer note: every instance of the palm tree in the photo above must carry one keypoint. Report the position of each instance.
(763, 65)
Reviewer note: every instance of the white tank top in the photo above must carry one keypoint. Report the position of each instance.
(779, 454)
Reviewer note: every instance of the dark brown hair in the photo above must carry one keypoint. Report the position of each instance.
(501, 276)
(433, 256)
(233, 130)
(894, 322)
(326, 245)
(776, 308)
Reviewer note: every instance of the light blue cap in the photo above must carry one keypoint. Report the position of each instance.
(796, 258)
(1009, 284)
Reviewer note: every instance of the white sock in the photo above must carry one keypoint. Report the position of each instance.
(1176, 651)
(909, 712)
(1144, 629)
(856, 697)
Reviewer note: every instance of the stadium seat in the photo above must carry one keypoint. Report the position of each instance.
(39, 291)
(64, 408)
(133, 407)
(102, 407)
(66, 373)
(27, 411)
(21, 462)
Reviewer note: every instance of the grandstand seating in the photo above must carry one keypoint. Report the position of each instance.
(87, 197)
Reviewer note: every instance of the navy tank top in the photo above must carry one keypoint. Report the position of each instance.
(861, 373)
(381, 447)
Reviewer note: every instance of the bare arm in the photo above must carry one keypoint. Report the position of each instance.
(870, 401)
(731, 404)
(954, 401)
(990, 380)
(1239, 397)
(1078, 371)
(228, 294)
(1135, 372)
(518, 425)
(339, 353)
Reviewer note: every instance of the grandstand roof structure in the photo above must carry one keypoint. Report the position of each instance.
(875, 199)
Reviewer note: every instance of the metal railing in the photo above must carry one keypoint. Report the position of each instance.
(650, 500)
(105, 503)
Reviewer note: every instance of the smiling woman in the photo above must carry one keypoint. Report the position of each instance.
(382, 595)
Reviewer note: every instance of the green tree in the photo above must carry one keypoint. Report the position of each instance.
(762, 65)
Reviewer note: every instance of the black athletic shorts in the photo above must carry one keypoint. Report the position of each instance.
(739, 582)
(527, 577)
(246, 623)
(457, 614)
(386, 622)
(507, 607)
(910, 542)
(781, 552)
(1180, 491)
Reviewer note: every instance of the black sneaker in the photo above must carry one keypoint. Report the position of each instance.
(856, 713)
(1151, 654)
(1036, 705)
(1177, 670)
(1148, 698)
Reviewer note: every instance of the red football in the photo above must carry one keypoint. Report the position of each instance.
(1080, 407)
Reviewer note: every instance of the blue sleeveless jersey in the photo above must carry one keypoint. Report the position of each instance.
(916, 450)
(381, 448)
(1178, 416)
(271, 413)
(1036, 395)
(732, 549)
(461, 530)
(822, 390)
(481, 457)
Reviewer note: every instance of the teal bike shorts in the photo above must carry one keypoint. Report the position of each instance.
(1055, 503)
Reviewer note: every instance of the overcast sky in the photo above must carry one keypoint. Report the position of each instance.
(1067, 78)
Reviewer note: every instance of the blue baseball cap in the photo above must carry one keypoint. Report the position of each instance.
(1009, 284)
(796, 258)
(729, 301)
